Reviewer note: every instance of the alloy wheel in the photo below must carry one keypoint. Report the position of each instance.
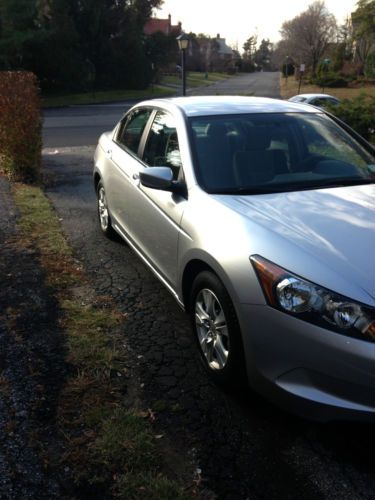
(212, 329)
(103, 209)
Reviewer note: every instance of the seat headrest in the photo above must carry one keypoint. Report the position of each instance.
(258, 138)
(217, 130)
(253, 167)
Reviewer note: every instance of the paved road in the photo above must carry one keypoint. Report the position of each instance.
(82, 125)
(245, 447)
(263, 84)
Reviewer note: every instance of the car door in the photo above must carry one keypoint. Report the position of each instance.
(125, 163)
(155, 215)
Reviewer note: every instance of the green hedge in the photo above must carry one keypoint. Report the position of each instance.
(358, 113)
(370, 66)
(331, 80)
(20, 126)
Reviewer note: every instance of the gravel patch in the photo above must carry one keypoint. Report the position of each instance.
(31, 367)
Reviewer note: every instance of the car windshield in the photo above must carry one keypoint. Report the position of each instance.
(262, 153)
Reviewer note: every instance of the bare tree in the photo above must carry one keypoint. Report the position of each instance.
(364, 29)
(250, 46)
(308, 35)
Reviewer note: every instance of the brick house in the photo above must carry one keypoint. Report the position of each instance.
(154, 25)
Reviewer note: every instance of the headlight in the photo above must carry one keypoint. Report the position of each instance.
(313, 303)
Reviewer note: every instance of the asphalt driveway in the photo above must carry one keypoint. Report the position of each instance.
(245, 447)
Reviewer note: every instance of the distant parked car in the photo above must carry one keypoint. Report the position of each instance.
(319, 100)
(258, 215)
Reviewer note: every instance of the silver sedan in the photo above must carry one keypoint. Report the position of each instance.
(319, 100)
(258, 215)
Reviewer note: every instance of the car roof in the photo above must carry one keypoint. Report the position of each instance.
(315, 95)
(223, 105)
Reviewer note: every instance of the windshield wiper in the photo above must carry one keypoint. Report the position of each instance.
(252, 190)
(295, 186)
(328, 183)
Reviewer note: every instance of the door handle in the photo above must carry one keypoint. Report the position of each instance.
(108, 153)
(136, 177)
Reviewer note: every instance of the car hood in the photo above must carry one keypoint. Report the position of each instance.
(336, 226)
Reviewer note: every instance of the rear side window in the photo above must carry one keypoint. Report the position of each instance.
(131, 131)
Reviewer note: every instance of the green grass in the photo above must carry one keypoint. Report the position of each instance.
(150, 487)
(195, 79)
(289, 87)
(90, 348)
(37, 221)
(104, 96)
(211, 77)
(126, 443)
(107, 442)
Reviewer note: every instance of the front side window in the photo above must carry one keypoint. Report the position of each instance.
(131, 131)
(331, 143)
(323, 101)
(318, 102)
(162, 148)
(271, 152)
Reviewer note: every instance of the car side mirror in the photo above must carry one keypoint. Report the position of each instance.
(161, 178)
(157, 178)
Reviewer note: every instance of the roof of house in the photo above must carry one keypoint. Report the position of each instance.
(154, 25)
(223, 47)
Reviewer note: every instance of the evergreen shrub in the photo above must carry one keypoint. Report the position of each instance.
(331, 80)
(358, 113)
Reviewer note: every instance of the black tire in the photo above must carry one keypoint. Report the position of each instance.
(104, 217)
(220, 347)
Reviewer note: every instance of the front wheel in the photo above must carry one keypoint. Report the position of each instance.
(103, 212)
(216, 329)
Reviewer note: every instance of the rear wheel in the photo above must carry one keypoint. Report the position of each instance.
(216, 328)
(103, 212)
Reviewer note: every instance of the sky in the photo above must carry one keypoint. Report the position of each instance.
(237, 20)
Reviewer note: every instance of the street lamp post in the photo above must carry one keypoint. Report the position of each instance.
(286, 69)
(183, 43)
(326, 63)
(301, 72)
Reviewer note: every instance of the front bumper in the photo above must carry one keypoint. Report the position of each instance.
(305, 369)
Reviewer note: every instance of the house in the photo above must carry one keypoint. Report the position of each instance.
(225, 56)
(225, 52)
(154, 25)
